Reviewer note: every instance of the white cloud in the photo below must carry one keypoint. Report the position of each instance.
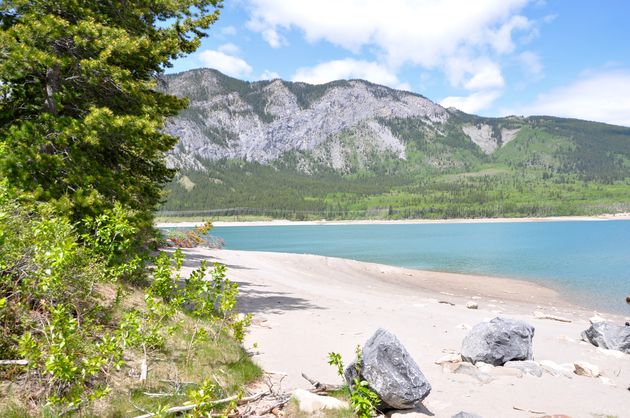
(600, 96)
(347, 69)
(501, 39)
(467, 40)
(531, 63)
(227, 64)
(229, 48)
(403, 31)
(228, 31)
(472, 103)
(269, 75)
(487, 75)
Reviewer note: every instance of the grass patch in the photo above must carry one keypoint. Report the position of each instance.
(222, 360)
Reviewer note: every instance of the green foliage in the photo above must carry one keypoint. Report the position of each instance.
(54, 313)
(363, 400)
(193, 238)
(52, 316)
(80, 118)
(202, 397)
(82, 164)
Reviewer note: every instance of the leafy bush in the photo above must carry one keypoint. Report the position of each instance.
(193, 238)
(62, 307)
(363, 400)
(52, 313)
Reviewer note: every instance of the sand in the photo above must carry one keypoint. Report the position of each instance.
(306, 306)
(603, 217)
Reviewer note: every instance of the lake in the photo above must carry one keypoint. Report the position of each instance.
(588, 261)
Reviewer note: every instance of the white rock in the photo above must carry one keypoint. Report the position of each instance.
(611, 353)
(595, 319)
(506, 371)
(310, 402)
(484, 367)
(472, 305)
(584, 368)
(555, 369)
(449, 358)
(527, 367)
(476, 297)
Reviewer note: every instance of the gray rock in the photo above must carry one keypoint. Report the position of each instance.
(390, 372)
(609, 335)
(222, 121)
(526, 366)
(463, 414)
(498, 341)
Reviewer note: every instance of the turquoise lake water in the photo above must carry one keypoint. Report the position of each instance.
(589, 261)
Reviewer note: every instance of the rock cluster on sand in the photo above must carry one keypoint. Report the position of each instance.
(498, 341)
(609, 335)
(390, 371)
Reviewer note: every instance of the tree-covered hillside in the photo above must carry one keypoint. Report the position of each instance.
(351, 149)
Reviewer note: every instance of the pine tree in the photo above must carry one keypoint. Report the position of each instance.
(81, 117)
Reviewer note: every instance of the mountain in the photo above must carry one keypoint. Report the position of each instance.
(353, 148)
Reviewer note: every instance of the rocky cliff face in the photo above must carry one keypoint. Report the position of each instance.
(342, 125)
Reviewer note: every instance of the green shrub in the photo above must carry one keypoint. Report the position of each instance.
(363, 400)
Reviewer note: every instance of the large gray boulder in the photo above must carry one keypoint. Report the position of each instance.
(390, 372)
(498, 341)
(609, 335)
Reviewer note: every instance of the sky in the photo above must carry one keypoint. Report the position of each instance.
(568, 58)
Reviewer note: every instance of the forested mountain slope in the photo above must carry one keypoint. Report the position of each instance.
(356, 149)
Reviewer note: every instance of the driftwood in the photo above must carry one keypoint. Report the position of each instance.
(279, 404)
(542, 315)
(144, 370)
(531, 411)
(321, 387)
(13, 362)
(184, 408)
(157, 395)
(446, 302)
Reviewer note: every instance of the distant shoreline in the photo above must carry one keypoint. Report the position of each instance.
(281, 222)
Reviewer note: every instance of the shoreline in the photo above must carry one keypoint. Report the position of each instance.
(523, 292)
(280, 222)
(305, 306)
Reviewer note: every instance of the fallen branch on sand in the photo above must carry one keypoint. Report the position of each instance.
(269, 409)
(542, 315)
(184, 408)
(531, 411)
(321, 387)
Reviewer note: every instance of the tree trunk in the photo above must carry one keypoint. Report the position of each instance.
(53, 82)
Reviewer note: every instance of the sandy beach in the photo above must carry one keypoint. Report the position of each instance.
(603, 217)
(306, 306)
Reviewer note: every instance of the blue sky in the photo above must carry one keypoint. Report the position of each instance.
(490, 57)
